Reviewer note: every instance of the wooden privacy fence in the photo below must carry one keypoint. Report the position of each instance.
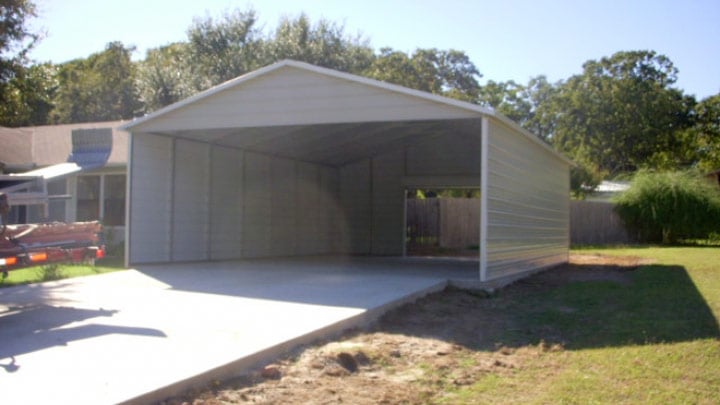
(596, 223)
(452, 223)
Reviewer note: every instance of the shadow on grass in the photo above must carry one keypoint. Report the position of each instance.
(577, 306)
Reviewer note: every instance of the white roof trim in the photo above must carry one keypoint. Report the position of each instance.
(483, 111)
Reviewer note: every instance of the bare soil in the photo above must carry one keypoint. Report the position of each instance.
(413, 353)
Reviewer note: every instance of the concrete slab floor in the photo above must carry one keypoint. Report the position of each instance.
(141, 335)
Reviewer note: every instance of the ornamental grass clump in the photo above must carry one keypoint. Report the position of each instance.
(670, 206)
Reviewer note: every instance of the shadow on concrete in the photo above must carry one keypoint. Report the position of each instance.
(576, 306)
(31, 294)
(29, 329)
(357, 282)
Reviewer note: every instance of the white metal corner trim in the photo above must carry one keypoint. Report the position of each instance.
(484, 145)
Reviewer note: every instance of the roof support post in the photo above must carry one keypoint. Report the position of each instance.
(484, 144)
(128, 199)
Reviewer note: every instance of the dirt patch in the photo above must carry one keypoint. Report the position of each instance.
(593, 268)
(415, 353)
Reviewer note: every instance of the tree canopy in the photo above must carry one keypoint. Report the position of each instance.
(445, 72)
(99, 88)
(619, 114)
(16, 83)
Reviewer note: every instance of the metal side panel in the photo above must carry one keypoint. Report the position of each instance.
(308, 207)
(190, 201)
(388, 204)
(526, 198)
(355, 221)
(257, 208)
(150, 199)
(283, 208)
(225, 203)
(451, 154)
(329, 197)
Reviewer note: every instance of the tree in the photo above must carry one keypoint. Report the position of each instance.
(529, 105)
(29, 97)
(323, 44)
(223, 49)
(165, 76)
(703, 138)
(505, 98)
(621, 113)
(16, 40)
(446, 72)
(540, 95)
(101, 87)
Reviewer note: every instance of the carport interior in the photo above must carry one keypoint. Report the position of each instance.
(289, 190)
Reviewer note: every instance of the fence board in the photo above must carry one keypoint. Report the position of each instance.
(459, 222)
(423, 221)
(596, 223)
(452, 223)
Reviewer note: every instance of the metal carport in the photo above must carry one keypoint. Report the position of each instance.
(295, 160)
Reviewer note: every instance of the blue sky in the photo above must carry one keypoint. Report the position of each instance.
(506, 39)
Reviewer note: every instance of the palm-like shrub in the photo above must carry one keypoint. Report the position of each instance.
(666, 207)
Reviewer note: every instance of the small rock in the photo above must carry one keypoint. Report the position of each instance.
(335, 370)
(347, 361)
(271, 372)
(317, 364)
(362, 359)
(506, 350)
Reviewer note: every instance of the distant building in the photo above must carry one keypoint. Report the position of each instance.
(607, 190)
(94, 190)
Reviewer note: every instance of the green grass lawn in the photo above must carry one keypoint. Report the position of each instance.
(653, 341)
(48, 273)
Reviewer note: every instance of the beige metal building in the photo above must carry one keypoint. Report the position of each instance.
(294, 159)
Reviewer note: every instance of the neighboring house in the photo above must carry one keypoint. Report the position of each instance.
(95, 192)
(295, 159)
(607, 190)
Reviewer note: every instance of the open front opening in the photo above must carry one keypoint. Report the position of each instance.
(442, 222)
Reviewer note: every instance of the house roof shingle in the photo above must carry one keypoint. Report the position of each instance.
(51, 144)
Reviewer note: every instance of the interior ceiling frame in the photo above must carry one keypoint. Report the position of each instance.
(334, 144)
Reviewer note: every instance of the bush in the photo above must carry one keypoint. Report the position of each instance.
(50, 272)
(666, 207)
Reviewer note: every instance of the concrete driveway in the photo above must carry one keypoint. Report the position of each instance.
(145, 334)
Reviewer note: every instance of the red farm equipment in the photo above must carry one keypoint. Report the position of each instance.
(28, 245)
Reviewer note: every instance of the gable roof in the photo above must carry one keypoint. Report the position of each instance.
(247, 101)
(248, 77)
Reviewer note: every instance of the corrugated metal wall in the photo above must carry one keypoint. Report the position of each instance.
(527, 197)
(226, 203)
(445, 155)
(388, 204)
(354, 224)
(190, 201)
(372, 190)
(231, 203)
(206, 202)
(150, 200)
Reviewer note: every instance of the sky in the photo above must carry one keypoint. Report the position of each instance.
(505, 39)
